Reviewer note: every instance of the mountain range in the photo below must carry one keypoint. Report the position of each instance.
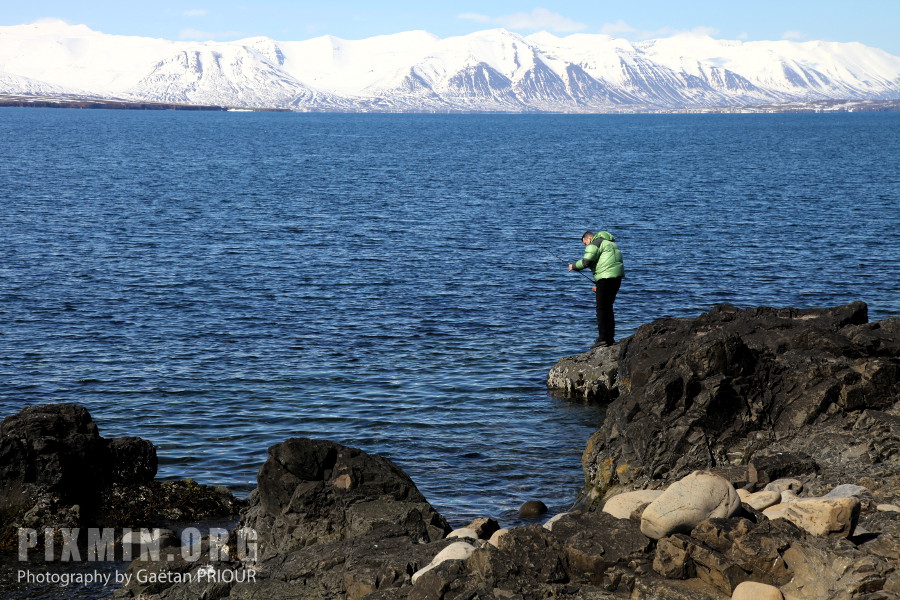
(492, 70)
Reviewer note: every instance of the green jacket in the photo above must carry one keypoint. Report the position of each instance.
(603, 257)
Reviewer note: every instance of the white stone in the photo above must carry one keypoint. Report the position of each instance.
(701, 495)
(549, 524)
(455, 551)
(780, 485)
(888, 508)
(622, 505)
(763, 500)
(848, 490)
(463, 532)
(776, 511)
(820, 516)
(495, 539)
(787, 496)
(752, 590)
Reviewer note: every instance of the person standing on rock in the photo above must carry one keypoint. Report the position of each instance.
(603, 257)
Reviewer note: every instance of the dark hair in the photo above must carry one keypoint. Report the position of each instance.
(589, 234)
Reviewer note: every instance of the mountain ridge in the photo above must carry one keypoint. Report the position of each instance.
(493, 70)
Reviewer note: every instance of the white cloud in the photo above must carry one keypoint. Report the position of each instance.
(51, 21)
(793, 34)
(537, 19)
(625, 30)
(198, 35)
(618, 28)
(474, 17)
(707, 31)
(196, 12)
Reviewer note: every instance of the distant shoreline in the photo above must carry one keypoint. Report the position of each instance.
(92, 103)
(819, 106)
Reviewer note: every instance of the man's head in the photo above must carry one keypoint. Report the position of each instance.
(587, 237)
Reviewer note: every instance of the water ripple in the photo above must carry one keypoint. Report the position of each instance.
(217, 283)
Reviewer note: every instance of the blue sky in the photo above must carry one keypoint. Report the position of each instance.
(872, 22)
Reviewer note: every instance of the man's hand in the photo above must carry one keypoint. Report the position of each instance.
(570, 267)
(594, 288)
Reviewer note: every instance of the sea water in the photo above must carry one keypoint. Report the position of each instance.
(219, 282)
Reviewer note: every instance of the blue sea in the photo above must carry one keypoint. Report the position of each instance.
(219, 282)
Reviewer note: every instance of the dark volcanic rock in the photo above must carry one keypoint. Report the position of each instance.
(584, 556)
(726, 552)
(331, 522)
(59, 447)
(733, 386)
(592, 376)
(57, 471)
(594, 542)
(156, 502)
(313, 491)
(381, 561)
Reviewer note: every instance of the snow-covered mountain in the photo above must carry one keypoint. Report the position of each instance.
(493, 70)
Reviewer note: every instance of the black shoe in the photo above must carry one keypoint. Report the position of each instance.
(601, 344)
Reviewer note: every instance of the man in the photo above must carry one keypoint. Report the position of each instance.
(603, 257)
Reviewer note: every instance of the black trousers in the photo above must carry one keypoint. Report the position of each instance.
(606, 319)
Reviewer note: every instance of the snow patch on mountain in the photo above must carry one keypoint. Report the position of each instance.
(493, 70)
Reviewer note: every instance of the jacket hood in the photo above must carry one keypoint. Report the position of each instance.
(605, 235)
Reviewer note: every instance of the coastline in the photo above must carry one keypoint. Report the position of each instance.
(823, 447)
(817, 107)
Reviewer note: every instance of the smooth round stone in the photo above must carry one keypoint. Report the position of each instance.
(549, 524)
(533, 508)
(463, 532)
(699, 496)
(763, 500)
(495, 538)
(752, 590)
(622, 505)
(455, 551)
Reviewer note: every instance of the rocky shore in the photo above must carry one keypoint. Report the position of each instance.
(745, 454)
(57, 472)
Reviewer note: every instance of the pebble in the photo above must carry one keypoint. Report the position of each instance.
(763, 500)
(785, 484)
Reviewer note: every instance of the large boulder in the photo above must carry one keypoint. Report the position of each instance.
(723, 387)
(58, 447)
(57, 471)
(684, 504)
(313, 492)
(328, 521)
